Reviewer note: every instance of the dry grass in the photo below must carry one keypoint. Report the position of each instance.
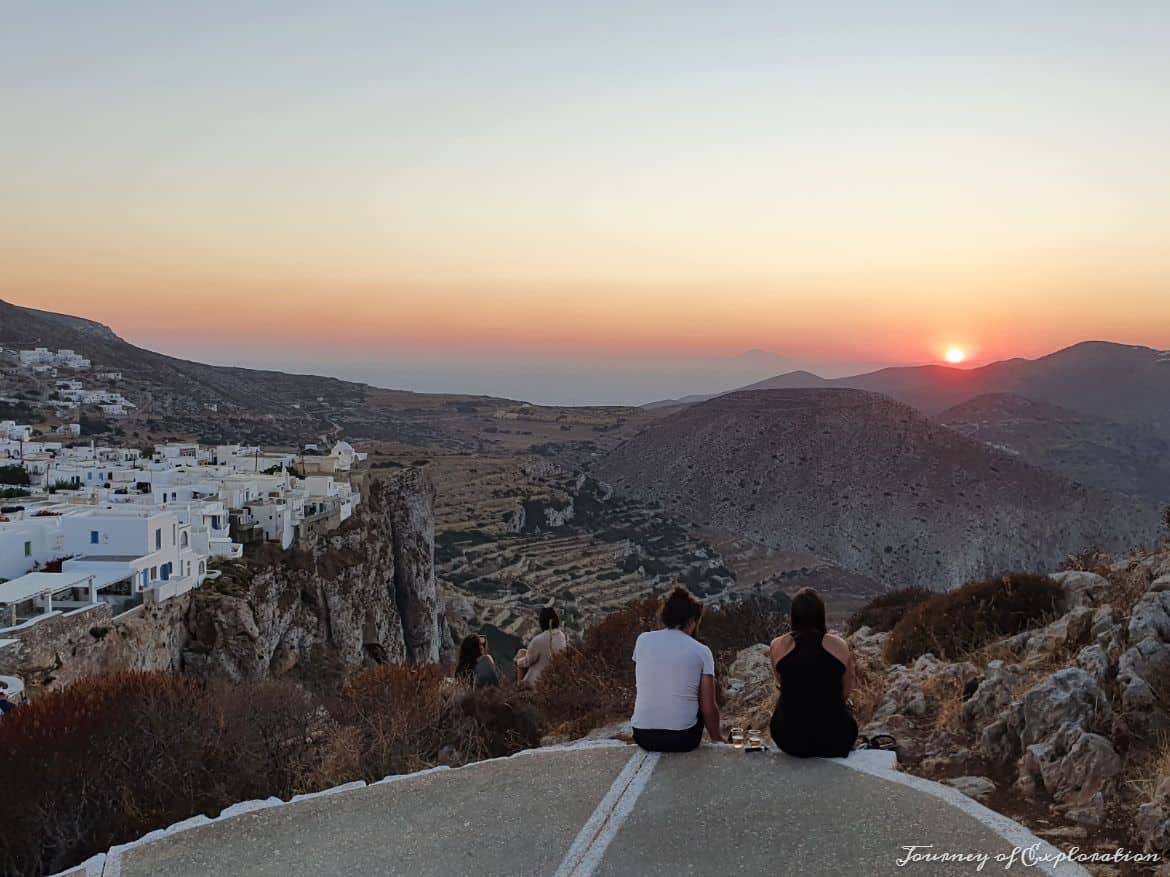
(869, 688)
(1146, 771)
(1127, 586)
(944, 694)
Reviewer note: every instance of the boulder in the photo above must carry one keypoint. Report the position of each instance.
(1081, 588)
(904, 695)
(868, 644)
(1065, 633)
(999, 741)
(1143, 670)
(1109, 631)
(1064, 750)
(993, 695)
(1150, 618)
(979, 788)
(1152, 822)
(1068, 697)
(1094, 661)
(750, 671)
(947, 761)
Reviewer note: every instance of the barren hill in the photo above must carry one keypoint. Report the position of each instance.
(1119, 456)
(249, 390)
(870, 484)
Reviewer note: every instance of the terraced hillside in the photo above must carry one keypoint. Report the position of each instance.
(516, 532)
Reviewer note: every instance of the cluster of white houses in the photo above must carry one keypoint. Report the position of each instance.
(112, 525)
(41, 359)
(73, 394)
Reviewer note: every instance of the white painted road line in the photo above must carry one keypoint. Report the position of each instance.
(590, 845)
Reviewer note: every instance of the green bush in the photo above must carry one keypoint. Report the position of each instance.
(884, 611)
(955, 623)
(13, 475)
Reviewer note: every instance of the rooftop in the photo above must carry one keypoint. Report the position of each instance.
(34, 583)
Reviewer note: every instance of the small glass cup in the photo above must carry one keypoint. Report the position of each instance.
(755, 741)
(736, 737)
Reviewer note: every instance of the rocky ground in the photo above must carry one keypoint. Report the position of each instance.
(1063, 727)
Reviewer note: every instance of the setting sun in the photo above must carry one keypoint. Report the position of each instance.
(955, 355)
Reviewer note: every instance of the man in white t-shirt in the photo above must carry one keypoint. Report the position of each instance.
(676, 680)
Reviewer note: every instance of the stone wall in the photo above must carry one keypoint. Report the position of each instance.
(70, 647)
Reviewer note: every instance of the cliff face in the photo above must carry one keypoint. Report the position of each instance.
(364, 593)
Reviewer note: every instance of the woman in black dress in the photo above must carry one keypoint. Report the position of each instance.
(815, 671)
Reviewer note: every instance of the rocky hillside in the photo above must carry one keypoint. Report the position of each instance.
(1082, 447)
(177, 387)
(869, 484)
(363, 594)
(1063, 726)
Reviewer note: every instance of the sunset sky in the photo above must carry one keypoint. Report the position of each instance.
(590, 201)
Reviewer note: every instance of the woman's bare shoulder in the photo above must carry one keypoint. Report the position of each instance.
(836, 644)
(781, 643)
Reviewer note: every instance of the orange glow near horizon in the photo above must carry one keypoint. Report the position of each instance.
(601, 183)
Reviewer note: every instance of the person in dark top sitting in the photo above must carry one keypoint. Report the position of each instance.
(814, 669)
(6, 706)
(476, 667)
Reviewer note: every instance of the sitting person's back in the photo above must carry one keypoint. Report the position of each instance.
(815, 671)
(676, 681)
(551, 640)
(475, 666)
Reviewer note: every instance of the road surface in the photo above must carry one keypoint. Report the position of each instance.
(605, 810)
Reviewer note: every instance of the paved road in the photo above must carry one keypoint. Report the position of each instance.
(607, 811)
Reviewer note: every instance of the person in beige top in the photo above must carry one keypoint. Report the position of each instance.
(534, 660)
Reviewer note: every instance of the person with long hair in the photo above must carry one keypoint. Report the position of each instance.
(675, 675)
(475, 666)
(534, 660)
(815, 671)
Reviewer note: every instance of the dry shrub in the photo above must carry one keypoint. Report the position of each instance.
(105, 761)
(397, 712)
(396, 719)
(883, 612)
(1127, 586)
(741, 623)
(1091, 560)
(591, 684)
(956, 623)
